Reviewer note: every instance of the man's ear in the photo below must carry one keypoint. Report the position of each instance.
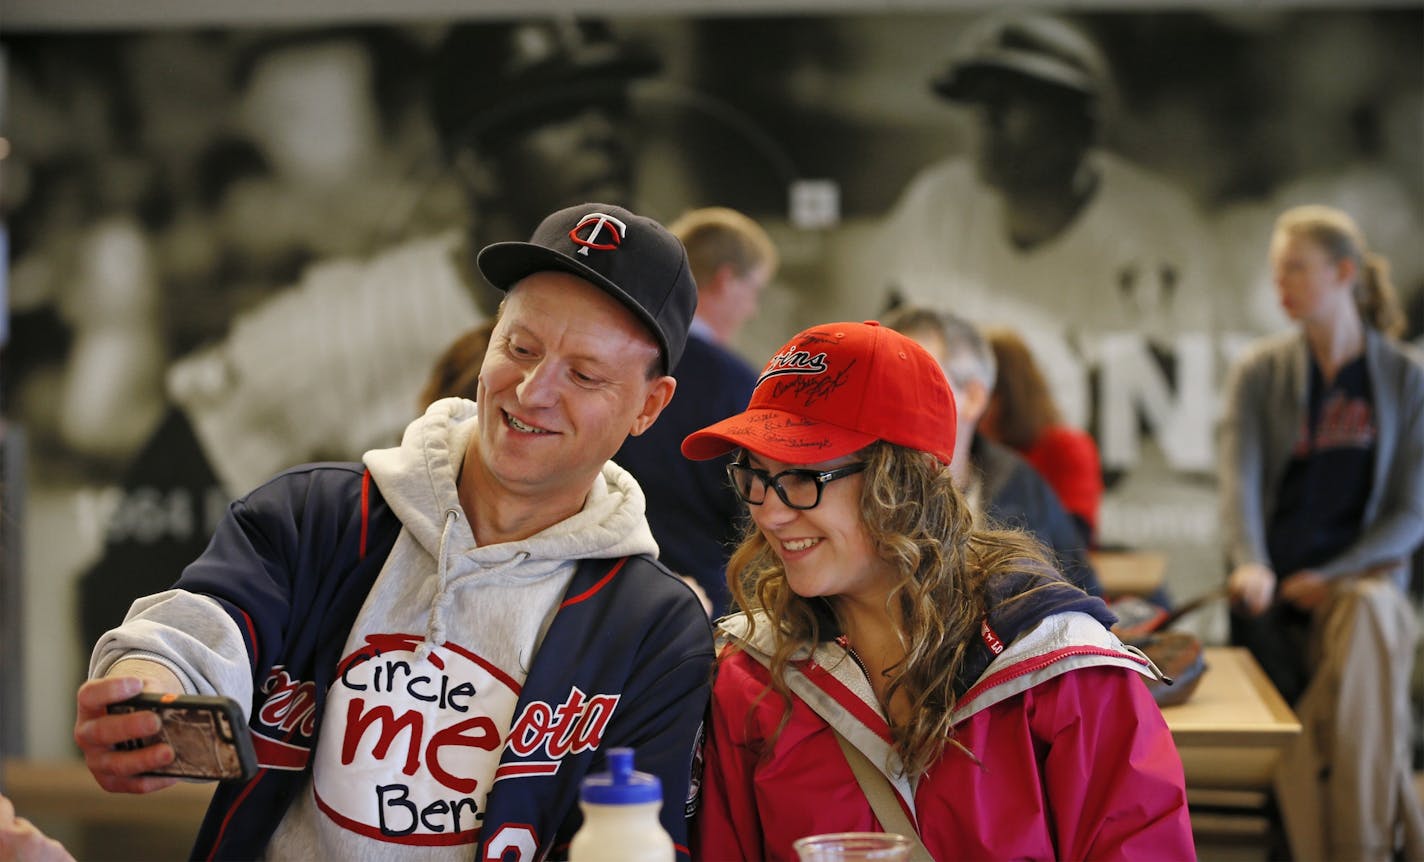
(975, 400)
(723, 275)
(659, 394)
(1347, 270)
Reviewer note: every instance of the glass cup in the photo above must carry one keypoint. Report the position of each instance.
(853, 847)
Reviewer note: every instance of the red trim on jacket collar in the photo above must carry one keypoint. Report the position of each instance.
(847, 699)
(365, 509)
(602, 582)
(1036, 663)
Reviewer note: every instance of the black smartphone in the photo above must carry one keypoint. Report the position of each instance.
(209, 735)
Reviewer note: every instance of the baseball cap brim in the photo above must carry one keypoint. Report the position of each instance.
(505, 264)
(778, 435)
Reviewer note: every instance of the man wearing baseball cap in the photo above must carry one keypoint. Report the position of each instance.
(434, 649)
(533, 116)
(917, 659)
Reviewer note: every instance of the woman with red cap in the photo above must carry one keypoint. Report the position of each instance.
(893, 667)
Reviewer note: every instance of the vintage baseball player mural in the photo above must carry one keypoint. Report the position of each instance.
(232, 250)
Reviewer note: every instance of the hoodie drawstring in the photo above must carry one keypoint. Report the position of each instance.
(435, 624)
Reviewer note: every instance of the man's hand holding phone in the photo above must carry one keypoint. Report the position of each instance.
(208, 735)
(138, 734)
(99, 734)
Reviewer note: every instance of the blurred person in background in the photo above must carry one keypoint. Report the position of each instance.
(694, 514)
(1322, 498)
(545, 128)
(334, 115)
(111, 390)
(1023, 416)
(883, 623)
(532, 116)
(1102, 266)
(1343, 127)
(998, 485)
(319, 152)
(456, 373)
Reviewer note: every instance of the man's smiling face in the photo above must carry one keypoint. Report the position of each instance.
(565, 381)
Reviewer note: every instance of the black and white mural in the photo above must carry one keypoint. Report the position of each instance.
(232, 250)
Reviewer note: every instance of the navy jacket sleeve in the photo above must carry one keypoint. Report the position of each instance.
(282, 551)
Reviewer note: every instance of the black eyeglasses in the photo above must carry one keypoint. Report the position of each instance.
(797, 488)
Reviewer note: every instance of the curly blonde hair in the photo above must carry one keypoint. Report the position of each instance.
(919, 522)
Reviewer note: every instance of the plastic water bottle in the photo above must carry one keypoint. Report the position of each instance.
(620, 816)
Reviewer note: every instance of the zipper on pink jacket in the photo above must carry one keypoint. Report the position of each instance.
(1039, 663)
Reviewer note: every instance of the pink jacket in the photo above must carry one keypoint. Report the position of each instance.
(1077, 762)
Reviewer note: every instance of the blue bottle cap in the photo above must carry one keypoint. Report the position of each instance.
(621, 785)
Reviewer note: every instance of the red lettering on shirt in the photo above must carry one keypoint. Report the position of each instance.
(574, 726)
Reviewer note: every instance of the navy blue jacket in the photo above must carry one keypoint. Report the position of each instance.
(1015, 495)
(292, 566)
(693, 512)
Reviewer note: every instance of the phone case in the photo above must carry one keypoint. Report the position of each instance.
(209, 735)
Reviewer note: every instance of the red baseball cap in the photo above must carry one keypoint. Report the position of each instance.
(834, 389)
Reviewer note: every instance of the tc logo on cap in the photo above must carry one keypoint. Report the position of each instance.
(590, 228)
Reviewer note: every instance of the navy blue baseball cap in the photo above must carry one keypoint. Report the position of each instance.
(631, 257)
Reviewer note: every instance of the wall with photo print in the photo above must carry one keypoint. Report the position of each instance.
(237, 249)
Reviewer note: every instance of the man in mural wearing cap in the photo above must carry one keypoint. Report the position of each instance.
(1101, 265)
(532, 118)
(435, 649)
(1037, 213)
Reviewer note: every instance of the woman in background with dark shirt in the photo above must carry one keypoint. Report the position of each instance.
(1322, 477)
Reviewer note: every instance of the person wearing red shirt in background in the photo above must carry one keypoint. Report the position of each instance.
(1023, 416)
(986, 692)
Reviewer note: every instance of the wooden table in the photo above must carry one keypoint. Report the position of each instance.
(62, 798)
(1232, 730)
(65, 787)
(1129, 573)
(1231, 735)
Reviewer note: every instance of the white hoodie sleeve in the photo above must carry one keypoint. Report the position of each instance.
(187, 633)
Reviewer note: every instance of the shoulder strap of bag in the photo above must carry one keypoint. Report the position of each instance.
(882, 798)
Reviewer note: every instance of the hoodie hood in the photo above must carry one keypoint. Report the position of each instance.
(418, 481)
